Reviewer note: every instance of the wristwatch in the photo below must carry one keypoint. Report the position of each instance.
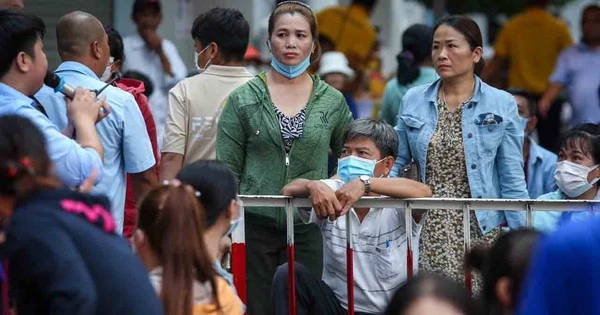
(367, 181)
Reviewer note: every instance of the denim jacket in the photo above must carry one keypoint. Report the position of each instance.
(493, 144)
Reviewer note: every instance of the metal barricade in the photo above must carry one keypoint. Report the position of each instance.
(451, 204)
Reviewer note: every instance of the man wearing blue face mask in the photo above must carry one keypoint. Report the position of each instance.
(367, 158)
(539, 163)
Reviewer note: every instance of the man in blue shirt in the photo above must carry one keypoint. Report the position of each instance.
(23, 66)
(83, 46)
(539, 163)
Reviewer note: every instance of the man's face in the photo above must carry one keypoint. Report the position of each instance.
(365, 148)
(38, 65)
(590, 26)
(524, 112)
(148, 19)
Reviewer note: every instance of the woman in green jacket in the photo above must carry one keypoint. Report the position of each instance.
(281, 126)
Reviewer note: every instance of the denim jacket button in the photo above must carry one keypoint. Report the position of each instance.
(470, 106)
(470, 135)
(473, 166)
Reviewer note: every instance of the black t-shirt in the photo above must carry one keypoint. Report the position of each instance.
(65, 258)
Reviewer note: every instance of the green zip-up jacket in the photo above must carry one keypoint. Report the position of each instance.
(249, 140)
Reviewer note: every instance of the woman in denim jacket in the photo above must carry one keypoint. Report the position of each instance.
(466, 139)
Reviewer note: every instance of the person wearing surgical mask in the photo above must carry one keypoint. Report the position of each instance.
(195, 104)
(577, 174)
(370, 148)
(539, 164)
(280, 126)
(170, 240)
(217, 192)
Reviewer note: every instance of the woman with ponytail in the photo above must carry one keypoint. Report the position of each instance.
(414, 68)
(63, 253)
(170, 241)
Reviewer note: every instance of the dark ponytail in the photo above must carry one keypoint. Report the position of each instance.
(416, 48)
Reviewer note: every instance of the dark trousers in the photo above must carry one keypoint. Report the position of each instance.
(313, 296)
(266, 248)
(550, 127)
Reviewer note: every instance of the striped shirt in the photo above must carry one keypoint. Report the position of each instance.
(379, 254)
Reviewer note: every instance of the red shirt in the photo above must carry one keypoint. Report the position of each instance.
(136, 88)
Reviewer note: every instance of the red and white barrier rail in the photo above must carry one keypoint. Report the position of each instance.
(451, 204)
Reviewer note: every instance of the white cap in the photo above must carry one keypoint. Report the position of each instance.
(334, 62)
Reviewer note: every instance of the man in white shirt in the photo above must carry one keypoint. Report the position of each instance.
(195, 104)
(380, 259)
(150, 54)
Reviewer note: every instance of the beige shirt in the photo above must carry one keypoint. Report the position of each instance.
(195, 105)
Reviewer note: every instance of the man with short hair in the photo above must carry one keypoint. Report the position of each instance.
(370, 148)
(195, 104)
(23, 66)
(539, 163)
(154, 56)
(83, 47)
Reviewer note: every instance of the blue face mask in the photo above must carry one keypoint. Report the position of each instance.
(290, 72)
(523, 121)
(352, 167)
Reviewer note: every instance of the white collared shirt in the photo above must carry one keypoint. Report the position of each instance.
(139, 57)
(379, 254)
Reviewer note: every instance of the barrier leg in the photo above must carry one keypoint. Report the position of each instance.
(289, 210)
(409, 251)
(238, 257)
(467, 244)
(350, 263)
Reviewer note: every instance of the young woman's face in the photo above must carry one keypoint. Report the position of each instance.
(578, 152)
(451, 53)
(291, 40)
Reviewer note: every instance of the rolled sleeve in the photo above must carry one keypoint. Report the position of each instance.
(73, 163)
(137, 148)
(509, 159)
(177, 121)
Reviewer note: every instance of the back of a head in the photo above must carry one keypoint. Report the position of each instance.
(531, 100)
(381, 133)
(227, 28)
(75, 32)
(416, 49)
(22, 153)
(508, 257)
(172, 221)
(136, 75)
(115, 42)
(19, 31)
(441, 288)
(215, 182)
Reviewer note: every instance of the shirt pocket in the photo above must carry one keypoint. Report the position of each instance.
(388, 262)
(414, 128)
(490, 128)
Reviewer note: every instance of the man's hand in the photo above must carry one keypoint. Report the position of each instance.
(152, 39)
(324, 201)
(543, 108)
(349, 194)
(85, 108)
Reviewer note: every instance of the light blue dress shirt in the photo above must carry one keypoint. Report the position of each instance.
(540, 170)
(578, 69)
(73, 162)
(493, 144)
(548, 221)
(391, 104)
(127, 147)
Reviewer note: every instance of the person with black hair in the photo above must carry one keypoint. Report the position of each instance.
(83, 47)
(504, 266)
(23, 66)
(136, 75)
(64, 254)
(577, 174)
(136, 88)
(414, 68)
(217, 188)
(151, 54)
(467, 140)
(432, 294)
(221, 38)
(539, 163)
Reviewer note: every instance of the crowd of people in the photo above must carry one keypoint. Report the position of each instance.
(119, 188)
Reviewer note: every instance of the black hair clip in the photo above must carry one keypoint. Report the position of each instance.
(295, 2)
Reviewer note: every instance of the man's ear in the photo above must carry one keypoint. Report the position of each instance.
(96, 50)
(23, 62)
(389, 164)
(214, 50)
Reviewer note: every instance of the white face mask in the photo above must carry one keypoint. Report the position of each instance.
(571, 178)
(108, 71)
(196, 55)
